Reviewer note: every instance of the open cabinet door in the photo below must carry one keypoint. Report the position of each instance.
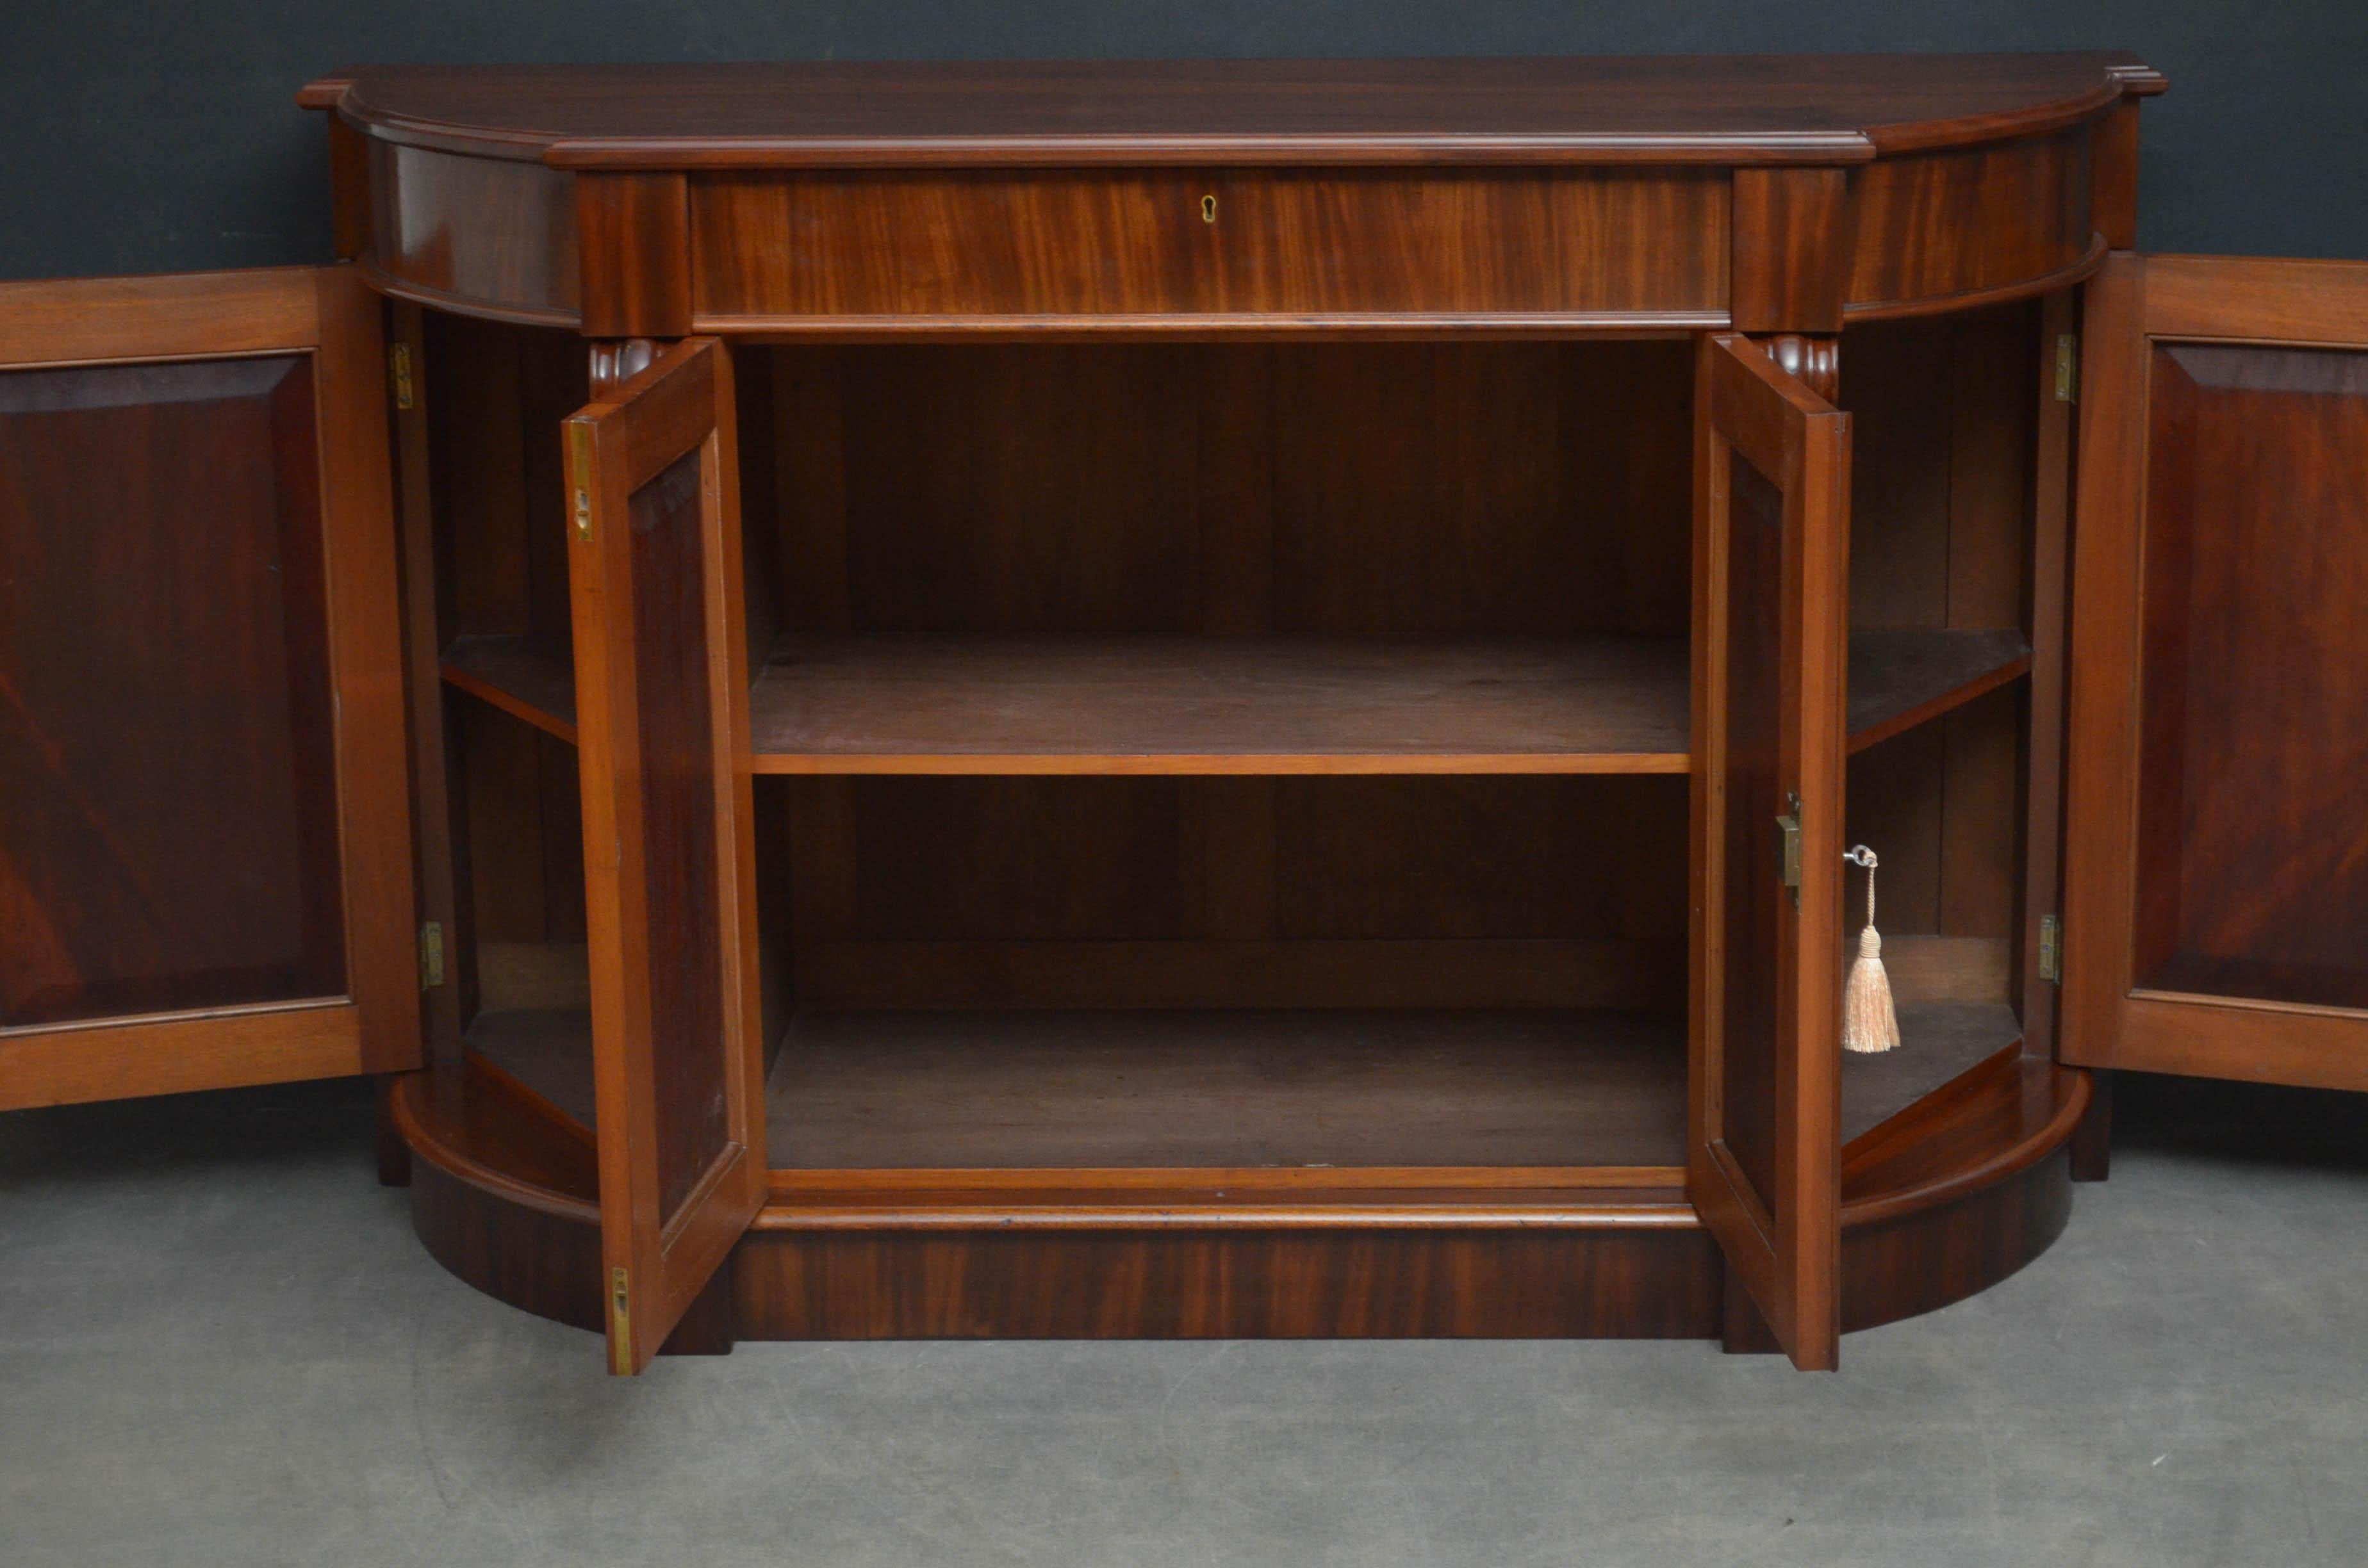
(2217, 877)
(1763, 1158)
(205, 845)
(662, 714)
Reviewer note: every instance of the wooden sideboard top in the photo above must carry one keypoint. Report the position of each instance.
(1710, 109)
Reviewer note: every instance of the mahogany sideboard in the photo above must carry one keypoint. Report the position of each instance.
(1200, 699)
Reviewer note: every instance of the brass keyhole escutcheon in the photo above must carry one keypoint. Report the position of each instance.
(1208, 210)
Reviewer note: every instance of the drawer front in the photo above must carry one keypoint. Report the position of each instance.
(813, 248)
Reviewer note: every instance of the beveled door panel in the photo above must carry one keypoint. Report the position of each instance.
(662, 713)
(204, 853)
(2217, 900)
(166, 641)
(1763, 1160)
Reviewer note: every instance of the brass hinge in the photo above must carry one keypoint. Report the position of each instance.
(620, 1323)
(579, 458)
(398, 372)
(1788, 846)
(2068, 367)
(2051, 949)
(431, 954)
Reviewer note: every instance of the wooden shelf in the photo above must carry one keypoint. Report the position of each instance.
(547, 1050)
(527, 676)
(1137, 706)
(1175, 706)
(1901, 679)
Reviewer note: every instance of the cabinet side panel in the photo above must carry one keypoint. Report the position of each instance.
(170, 840)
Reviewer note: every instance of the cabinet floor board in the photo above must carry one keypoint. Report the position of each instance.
(1186, 1088)
(1939, 1041)
(1303, 1087)
(985, 1089)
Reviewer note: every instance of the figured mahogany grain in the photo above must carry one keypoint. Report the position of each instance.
(1606, 1282)
(1792, 230)
(481, 236)
(209, 669)
(898, 251)
(1938, 227)
(2254, 717)
(634, 248)
(1939, 1204)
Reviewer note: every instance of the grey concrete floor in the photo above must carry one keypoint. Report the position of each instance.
(221, 1344)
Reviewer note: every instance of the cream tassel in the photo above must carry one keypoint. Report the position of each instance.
(1869, 1023)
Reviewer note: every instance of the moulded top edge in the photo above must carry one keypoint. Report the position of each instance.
(1703, 109)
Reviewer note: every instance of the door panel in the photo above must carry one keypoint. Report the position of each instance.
(1771, 548)
(2217, 894)
(205, 860)
(208, 700)
(662, 707)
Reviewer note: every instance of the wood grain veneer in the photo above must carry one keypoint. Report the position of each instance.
(1938, 1205)
(856, 198)
(213, 673)
(1946, 229)
(896, 252)
(487, 236)
(1056, 557)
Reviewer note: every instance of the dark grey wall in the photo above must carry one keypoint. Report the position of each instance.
(151, 135)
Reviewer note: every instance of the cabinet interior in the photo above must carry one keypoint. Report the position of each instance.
(1228, 754)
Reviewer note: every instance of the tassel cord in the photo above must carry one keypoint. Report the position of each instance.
(1870, 1021)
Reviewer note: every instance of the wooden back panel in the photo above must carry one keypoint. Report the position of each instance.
(1371, 490)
